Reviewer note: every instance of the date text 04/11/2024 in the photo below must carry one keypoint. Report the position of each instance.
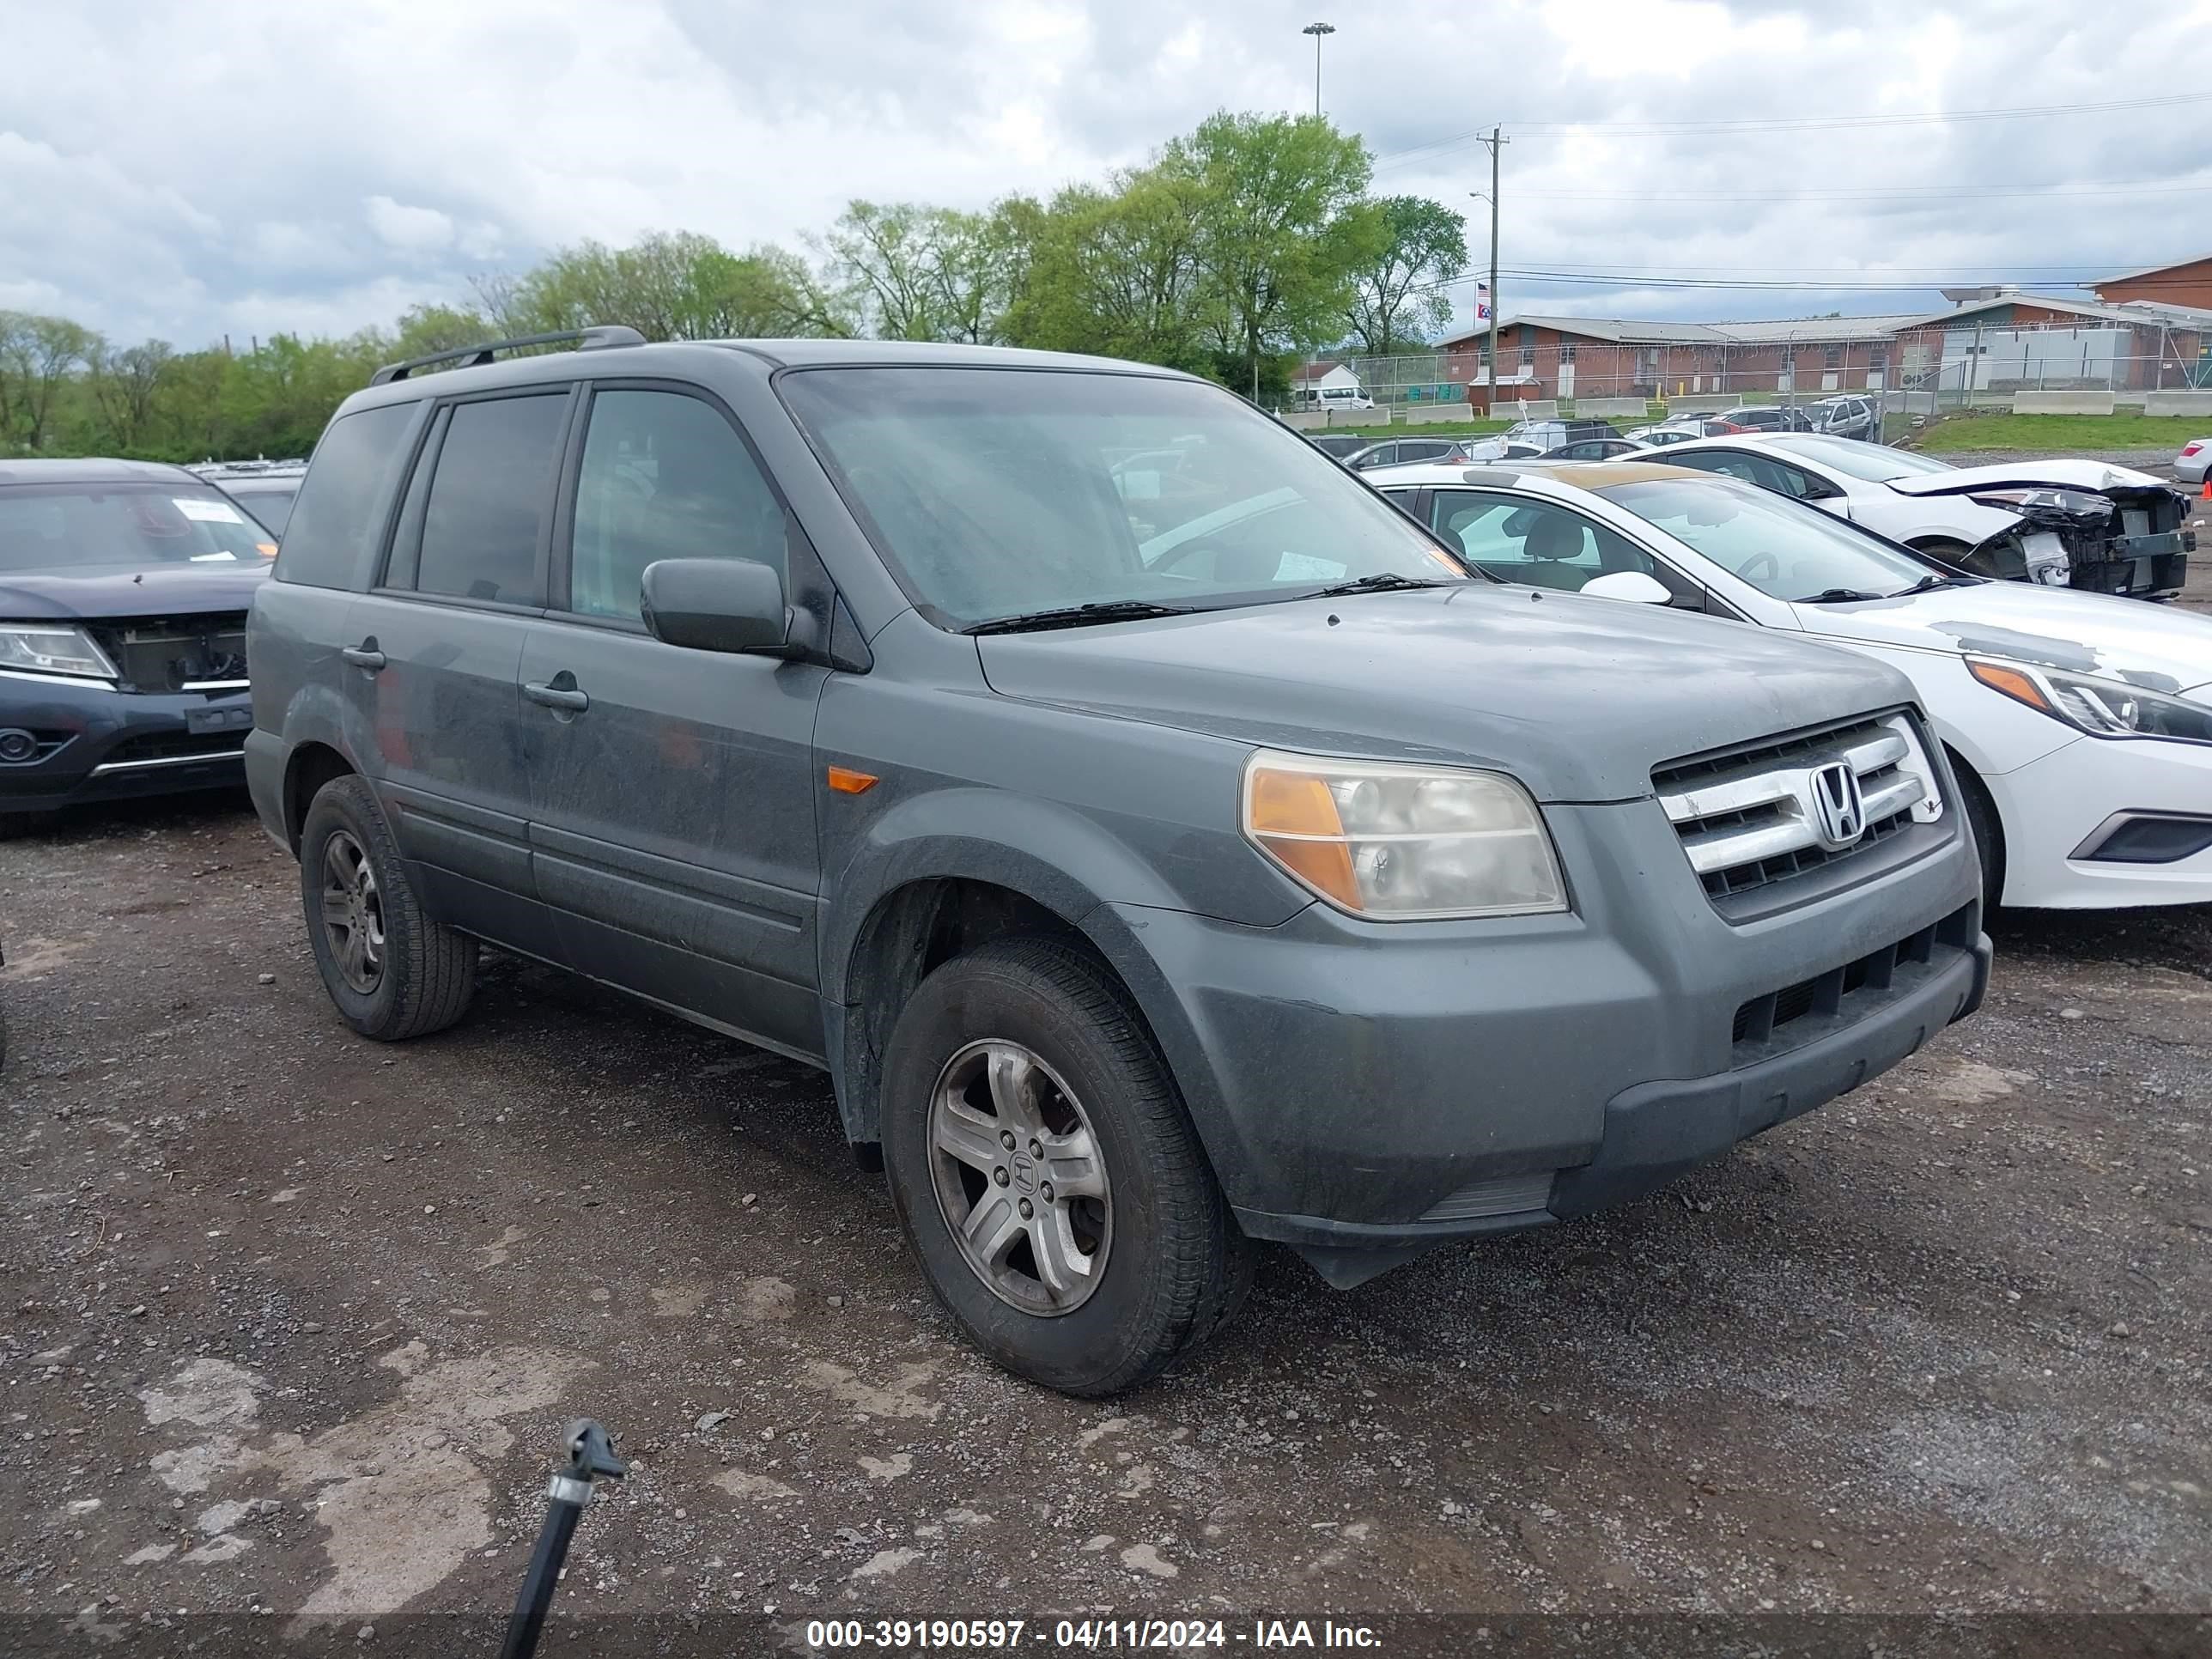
(1083, 1635)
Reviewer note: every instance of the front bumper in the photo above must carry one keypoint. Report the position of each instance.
(1367, 1090)
(97, 743)
(2056, 807)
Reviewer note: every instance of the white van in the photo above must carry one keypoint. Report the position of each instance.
(1342, 397)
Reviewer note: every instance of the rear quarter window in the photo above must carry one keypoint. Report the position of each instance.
(338, 516)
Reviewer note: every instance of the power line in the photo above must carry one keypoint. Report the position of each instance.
(1900, 193)
(1804, 124)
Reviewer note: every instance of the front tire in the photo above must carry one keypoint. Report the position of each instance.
(390, 970)
(1046, 1174)
(1989, 834)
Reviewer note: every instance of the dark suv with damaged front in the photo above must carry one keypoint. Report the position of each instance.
(123, 588)
(1159, 858)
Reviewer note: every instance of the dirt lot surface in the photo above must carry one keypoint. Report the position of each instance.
(289, 1322)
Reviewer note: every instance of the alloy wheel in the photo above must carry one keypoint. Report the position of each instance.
(1019, 1177)
(353, 912)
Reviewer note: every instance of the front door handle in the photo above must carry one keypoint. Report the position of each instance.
(557, 696)
(364, 655)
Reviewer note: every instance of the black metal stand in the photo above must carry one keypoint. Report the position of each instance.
(591, 1456)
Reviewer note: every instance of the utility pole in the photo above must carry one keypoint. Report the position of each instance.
(1497, 142)
(1317, 30)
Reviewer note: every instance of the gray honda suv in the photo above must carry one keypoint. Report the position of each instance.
(1157, 859)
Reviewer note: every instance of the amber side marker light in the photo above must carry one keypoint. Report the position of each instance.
(2011, 682)
(846, 781)
(267, 549)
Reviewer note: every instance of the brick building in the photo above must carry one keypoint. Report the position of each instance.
(1561, 357)
(1990, 339)
(2187, 282)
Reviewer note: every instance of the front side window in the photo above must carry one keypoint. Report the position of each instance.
(1784, 548)
(1538, 543)
(490, 498)
(74, 527)
(665, 476)
(996, 493)
(1761, 469)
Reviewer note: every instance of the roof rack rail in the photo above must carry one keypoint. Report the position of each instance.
(597, 338)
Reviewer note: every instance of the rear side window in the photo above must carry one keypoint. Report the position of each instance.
(664, 477)
(339, 514)
(490, 498)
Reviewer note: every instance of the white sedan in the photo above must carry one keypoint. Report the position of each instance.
(2062, 523)
(2080, 726)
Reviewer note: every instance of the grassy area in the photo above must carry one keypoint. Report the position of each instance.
(2059, 434)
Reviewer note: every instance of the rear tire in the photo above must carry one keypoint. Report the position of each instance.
(392, 971)
(1027, 1039)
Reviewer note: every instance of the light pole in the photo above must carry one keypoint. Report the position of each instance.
(1317, 30)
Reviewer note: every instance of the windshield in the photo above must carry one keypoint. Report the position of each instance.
(1870, 461)
(1783, 548)
(999, 492)
(71, 526)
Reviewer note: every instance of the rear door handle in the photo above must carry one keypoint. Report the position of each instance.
(364, 655)
(556, 697)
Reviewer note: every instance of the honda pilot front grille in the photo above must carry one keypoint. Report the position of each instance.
(1758, 817)
(176, 653)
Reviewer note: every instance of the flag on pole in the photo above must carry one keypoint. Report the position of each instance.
(1481, 302)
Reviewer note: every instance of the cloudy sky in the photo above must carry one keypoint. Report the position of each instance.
(244, 168)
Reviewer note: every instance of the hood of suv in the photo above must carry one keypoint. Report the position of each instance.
(1579, 698)
(2093, 476)
(2157, 646)
(175, 590)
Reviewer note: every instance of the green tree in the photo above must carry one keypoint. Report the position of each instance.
(1280, 236)
(667, 287)
(37, 356)
(1397, 296)
(1117, 271)
(906, 271)
(126, 385)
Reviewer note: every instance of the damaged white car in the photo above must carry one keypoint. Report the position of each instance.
(2080, 726)
(2058, 523)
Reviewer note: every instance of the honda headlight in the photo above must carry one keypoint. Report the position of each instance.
(53, 648)
(2103, 709)
(2077, 503)
(1402, 843)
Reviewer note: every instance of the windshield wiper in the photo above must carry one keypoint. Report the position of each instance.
(1079, 616)
(1840, 596)
(1929, 583)
(1382, 582)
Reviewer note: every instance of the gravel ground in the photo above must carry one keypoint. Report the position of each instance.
(289, 1322)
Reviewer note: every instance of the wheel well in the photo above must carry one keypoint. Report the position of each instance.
(911, 931)
(1969, 782)
(312, 766)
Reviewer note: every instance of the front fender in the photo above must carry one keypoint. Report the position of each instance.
(1048, 854)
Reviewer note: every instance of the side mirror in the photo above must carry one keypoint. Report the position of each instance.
(1631, 585)
(716, 604)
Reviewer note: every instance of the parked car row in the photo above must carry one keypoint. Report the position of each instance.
(1164, 842)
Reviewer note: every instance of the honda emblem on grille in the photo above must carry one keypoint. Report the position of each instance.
(1838, 808)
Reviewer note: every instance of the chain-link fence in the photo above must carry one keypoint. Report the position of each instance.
(1930, 365)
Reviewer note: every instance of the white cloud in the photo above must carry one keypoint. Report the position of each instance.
(410, 229)
(230, 167)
